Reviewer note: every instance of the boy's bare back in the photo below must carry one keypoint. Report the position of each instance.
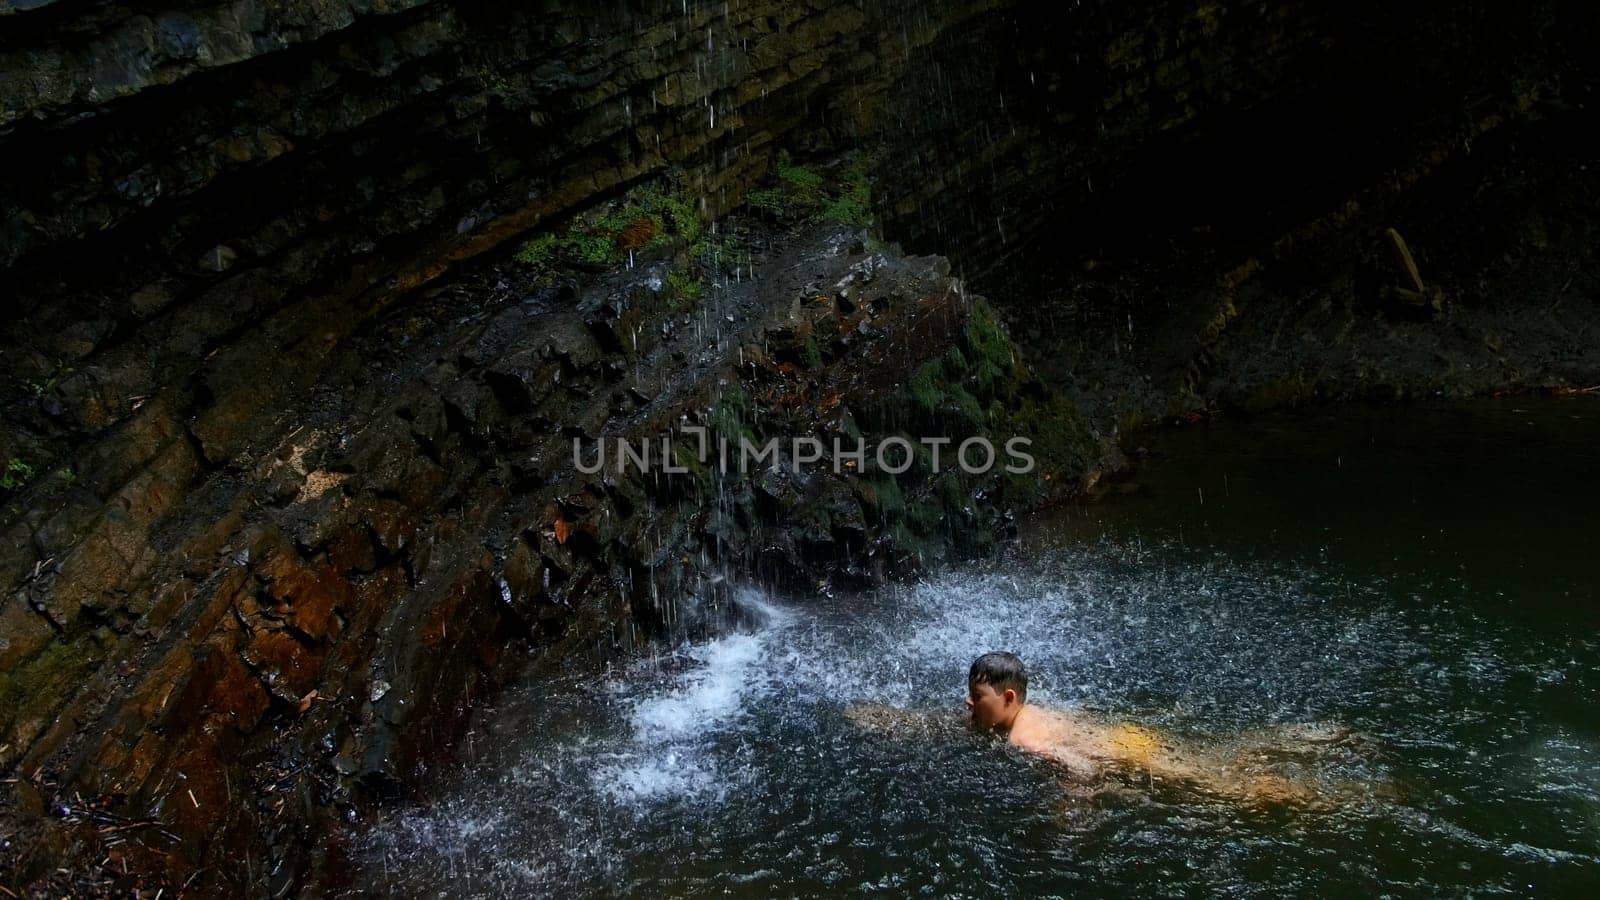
(1092, 750)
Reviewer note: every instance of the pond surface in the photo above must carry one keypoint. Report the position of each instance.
(1426, 576)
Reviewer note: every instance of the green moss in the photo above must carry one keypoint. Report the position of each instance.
(540, 252)
(38, 684)
(883, 496)
(17, 474)
(799, 178)
(494, 81)
(594, 249)
(771, 201)
(1209, 17)
(853, 204)
(938, 393)
(975, 389)
(811, 354)
(957, 390)
(915, 523)
(631, 216)
(906, 539)
(967, 415)
(954, 363)
(1063, 446)
(925, 517)
(1126, 50)
(926, 387)
(728, 417)
(969, 373)
(646, 218)
(1130, 421)
(813, 521)
(684, 289)
(686, 453)
(720, 252)
(953, 490)
(801, 194)
(680, 215)
(1282, 393)
(989, 350)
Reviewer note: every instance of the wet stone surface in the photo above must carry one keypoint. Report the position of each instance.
(246, 656)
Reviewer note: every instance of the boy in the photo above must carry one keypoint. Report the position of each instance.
(1090, 750)
(997, 694)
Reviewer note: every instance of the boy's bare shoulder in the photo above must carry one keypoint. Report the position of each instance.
(1063, 737)
(1051, 725)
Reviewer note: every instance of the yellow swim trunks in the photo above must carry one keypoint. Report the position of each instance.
(1137, 744)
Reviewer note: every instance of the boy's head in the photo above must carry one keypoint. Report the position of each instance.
(997, 686)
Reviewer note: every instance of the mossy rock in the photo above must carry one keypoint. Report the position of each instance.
(799, 193)
(34, 689)
(645, 219)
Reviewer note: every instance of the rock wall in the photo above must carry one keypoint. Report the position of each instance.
(171, 177)
(203, 205)
(309, 632)
(1182, 207)
(243, 582)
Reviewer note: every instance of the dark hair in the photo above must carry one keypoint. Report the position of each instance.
(1003, 670)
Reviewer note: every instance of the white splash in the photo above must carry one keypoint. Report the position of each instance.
(671, 755)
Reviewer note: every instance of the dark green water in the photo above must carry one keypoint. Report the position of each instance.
(1500, 497)
(1426, 576)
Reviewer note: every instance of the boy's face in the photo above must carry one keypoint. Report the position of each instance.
(991, 709)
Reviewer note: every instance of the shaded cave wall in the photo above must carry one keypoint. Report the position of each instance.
(177, 177)
(173, 177)
(200, 200)
(1182, 206)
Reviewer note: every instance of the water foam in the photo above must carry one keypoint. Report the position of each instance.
(735, 741)
(669, 756)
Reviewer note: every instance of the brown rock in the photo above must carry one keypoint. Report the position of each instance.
(150, 299)
(23, 632)
(287, 665)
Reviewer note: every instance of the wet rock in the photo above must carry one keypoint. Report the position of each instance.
(351, 550)
(95, 397)
(287, 665)
(522, 382)
(27, 799)
(23, 632)
(82, 338)
(309, 595)
(392, 525)
(218, 259)
(236, 694)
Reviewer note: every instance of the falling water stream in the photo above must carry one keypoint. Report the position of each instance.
(1422, 575)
